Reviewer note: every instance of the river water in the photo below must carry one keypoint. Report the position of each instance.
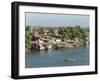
(56, 58)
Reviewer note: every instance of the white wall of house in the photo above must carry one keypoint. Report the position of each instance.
(58, 40)
(40, 41)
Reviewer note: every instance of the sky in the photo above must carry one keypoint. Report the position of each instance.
(47, 19)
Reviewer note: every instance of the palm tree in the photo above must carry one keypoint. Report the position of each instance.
(40, 31)
(51, 32)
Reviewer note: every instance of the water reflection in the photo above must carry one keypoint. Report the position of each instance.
(53, 58)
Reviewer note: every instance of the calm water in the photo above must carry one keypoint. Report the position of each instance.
(53, 58)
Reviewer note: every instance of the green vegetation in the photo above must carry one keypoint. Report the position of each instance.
(29, 31)
(70, 32)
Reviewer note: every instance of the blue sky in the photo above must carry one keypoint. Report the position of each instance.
(45, 19)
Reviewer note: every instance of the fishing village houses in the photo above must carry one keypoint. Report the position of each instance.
(46, 42)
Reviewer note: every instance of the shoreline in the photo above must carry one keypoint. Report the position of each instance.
(28, 50)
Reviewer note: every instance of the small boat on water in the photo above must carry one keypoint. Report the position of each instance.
(70, 59)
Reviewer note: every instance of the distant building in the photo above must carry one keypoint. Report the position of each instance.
(70, 41)
(38, 42)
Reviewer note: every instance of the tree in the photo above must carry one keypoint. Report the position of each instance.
(40, 31)
(51, 32)
(60, 31)
(29, 31)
